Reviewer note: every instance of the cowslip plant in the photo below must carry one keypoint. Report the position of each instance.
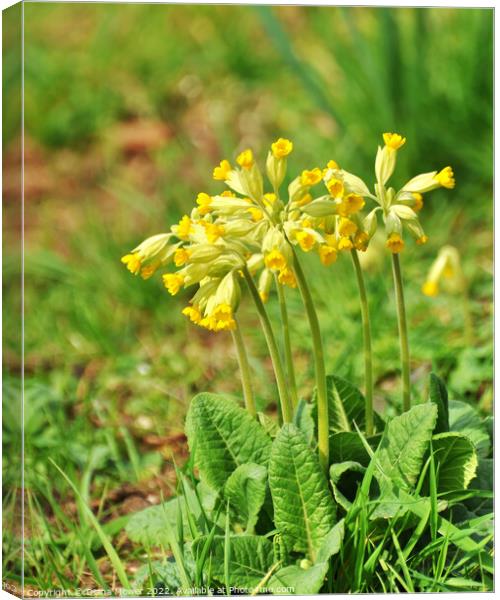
(331, 496)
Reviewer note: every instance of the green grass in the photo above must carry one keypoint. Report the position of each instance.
(109, 359)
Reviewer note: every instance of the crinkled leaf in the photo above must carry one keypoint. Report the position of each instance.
(246, 491)
(163, 575)
(401, 451)
(346, 404)
(146, 527)
(456, 461)
(439, 395)
(223, 436)
(270, 425)
(304, 510)
(345, 478)
(332, 543)
(465, 419)
(303, 419)
(250, 558)
(348, 446)
(297, 581)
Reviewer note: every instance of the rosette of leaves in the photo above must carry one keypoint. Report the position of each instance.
(256, 512)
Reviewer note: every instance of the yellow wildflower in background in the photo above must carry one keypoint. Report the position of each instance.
(203, 200)
(287, 277)
(181, 257)
(327, 254)
(221, 173)
(245, 159)
(305, 239)
(281, 148)
(395, 243)
(173, 282)
(445, 177)
(394, 141)
(311, 177)
(132, 262)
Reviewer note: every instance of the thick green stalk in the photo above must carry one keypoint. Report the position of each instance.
(246, 384)
(403, 331)
(367, 342)
(319, 364)
(286, 405)
(287, 344)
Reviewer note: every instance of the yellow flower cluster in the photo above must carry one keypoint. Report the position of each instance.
(246, 229)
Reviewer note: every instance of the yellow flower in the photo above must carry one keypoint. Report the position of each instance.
(287, 277)
(306, 240)
(395, 243)
(228, 194)
(173, 282)
(213, 231)
(221, 173)
(133, 262)
(306, 198)
(419, 202)
(245, 159)
(275, 261)
(445, 177)
(269, 199)
(394, 140)
(423, 239)
(256, 214)
(281, 148)
(311, 177)
(335, 187)
(181, 257)
(193, 312)
(184, 228)
(345, 244)
(347, 227)
(331, 164)
(430, 288)
(203, 200)
(361, 240)
(351, 204)
(148, 271)
(327, 254)
(221, 318)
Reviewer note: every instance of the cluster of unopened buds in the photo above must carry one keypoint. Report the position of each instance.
(250, 230)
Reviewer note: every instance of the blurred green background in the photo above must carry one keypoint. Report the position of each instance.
(127, 110)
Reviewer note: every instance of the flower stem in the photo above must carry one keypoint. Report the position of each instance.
(403, 331)
(286, 406)
(241, 353)
(287, 344)
(367, 342)
(319, 364)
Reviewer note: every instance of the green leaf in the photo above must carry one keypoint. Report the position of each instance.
(345, 478)
(456, 460)
(223, 436)
(304, 510)
(348, 446)
(346, 404)
(270, 425)
(163, 574)
(146, 527)
(332, 543)
(466, 420)
(246, 491)
(401, 451)
(304, 420)
(298, 581)
(439, 395)
(250, 558)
